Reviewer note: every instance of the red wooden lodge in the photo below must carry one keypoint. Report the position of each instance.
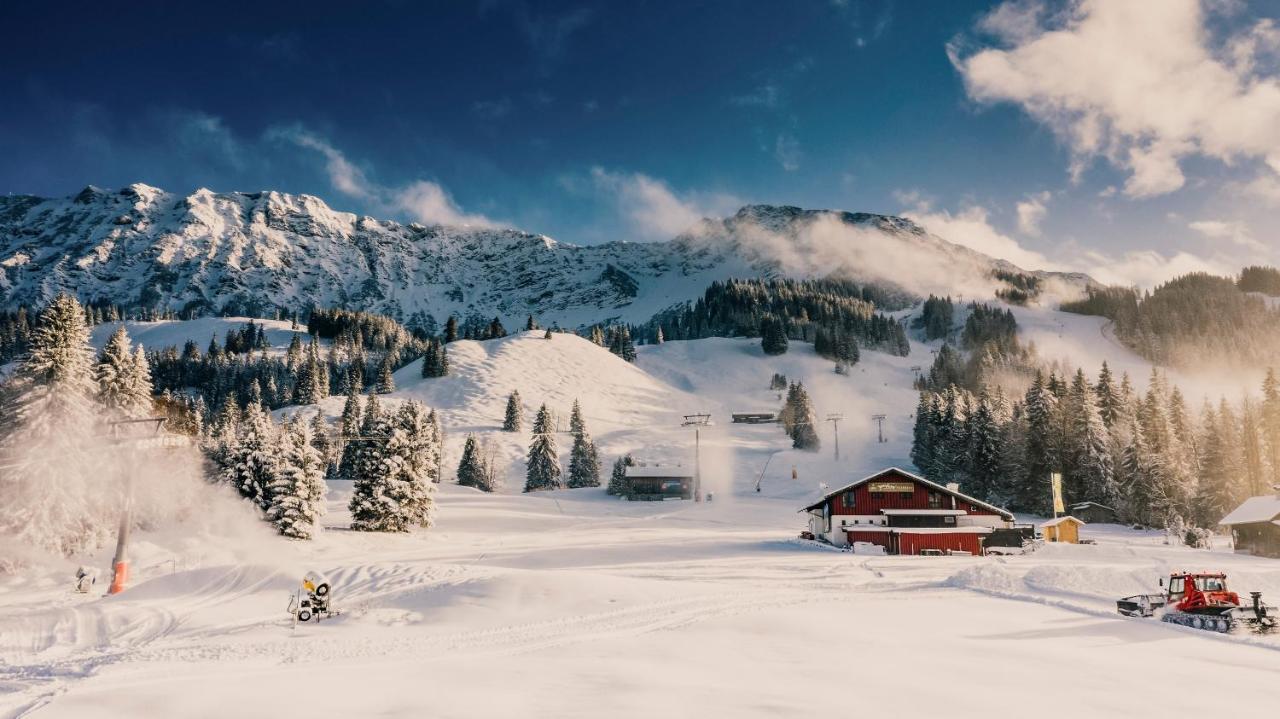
(904, 514)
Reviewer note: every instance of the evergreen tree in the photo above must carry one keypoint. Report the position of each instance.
(1040, 458)
(1271, 426)
(47, 410)
(531, 324)
(324, 444)
(1092, 475)
(394, 491)
(985, 460)
(597, 336)
(297, 491)
(922, 434)
(1109, 401)
(120, 390)
(804, 434)
(547, 334)
(576, 424)
(1251, 449)
(584, 460)
(618, 478)
(543, 469)
(386, 384)
(513, 420)
(658, 337)
(773, 336)
(451, 329)
(351, 424)
(495, 329)
(472, 471)
(253, 457)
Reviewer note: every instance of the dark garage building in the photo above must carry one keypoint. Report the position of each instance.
(1255, 526)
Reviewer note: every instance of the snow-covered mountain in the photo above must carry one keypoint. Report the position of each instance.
(247, 252)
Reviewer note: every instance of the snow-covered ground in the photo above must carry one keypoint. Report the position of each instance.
(573, 603)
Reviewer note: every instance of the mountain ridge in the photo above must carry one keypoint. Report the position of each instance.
(252, 252)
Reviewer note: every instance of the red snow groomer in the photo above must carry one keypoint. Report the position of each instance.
(1201, 600)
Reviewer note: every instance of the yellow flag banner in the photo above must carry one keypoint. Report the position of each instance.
(1058, 508)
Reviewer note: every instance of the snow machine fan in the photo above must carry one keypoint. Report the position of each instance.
(311, 602)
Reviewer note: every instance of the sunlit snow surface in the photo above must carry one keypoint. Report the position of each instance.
(573, 603)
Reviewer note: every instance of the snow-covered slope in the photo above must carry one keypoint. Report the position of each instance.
(245, 253)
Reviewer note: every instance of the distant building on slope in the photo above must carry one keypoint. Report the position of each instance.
(647, 482)
(1255, 526)
(905, 514)
(1094, 513)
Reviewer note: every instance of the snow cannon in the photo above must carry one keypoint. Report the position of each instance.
(311, 602)
(315, 583)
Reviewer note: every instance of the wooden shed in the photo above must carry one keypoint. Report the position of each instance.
(659, 482)
(1255, 526)
(1063, 529)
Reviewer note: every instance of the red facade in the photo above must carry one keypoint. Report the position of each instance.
(961, 542)
(867, 502)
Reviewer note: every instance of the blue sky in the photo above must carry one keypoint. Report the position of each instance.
(1132, 140)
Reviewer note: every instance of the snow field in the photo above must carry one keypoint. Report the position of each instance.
(573, 603)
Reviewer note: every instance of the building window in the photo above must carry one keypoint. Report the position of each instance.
(848, 499)
(935, 500)
(948, 520)
(907, 495)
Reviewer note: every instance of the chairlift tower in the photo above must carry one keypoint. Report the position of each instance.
(697, 421)
(834, 419)
(879, 420)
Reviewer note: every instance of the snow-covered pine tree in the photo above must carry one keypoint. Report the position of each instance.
(543, 465)
(984, 456)
(320, 439)
(658, 337)
(773, 335)
(597, 336)
(530, 324)
(576, 425)
(297, 491)
(386, 384)
(293, 355)
(584, 460)
(114, 374)
(547, 335)
(414, 453)
(513, 420)
(54, 499)
(433, 445)
(471, 469)
(352, 420)
(805, 432)
(1251, 448)
(922, 433)
(430, 360)
(373, 506)
(1271, 426)
(618, 477)
(252, 461)
(142, 389)
(1092, 466)
(1110, 403)
(1040, 458)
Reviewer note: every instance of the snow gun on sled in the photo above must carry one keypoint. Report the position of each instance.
(1202, 601)
(311, 601)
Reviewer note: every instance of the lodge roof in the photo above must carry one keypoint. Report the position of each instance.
(915, 478)
(1255, 510)
(1060, 520)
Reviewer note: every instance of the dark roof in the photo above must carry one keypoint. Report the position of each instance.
(915, 478)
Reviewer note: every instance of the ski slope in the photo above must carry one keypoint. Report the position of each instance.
(573, 603)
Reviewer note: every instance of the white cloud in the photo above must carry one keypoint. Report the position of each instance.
(1031, 212)
(653, 209)
(1236, 233)
(422, 200)
(1142, 85)
(1146, 268)
(971, 228)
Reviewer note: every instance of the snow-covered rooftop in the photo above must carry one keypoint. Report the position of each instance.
(1255, 509)
(1060, 520)
(667, 470)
